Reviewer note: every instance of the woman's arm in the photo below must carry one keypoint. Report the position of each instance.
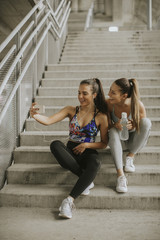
(57, 117)
(102, 123)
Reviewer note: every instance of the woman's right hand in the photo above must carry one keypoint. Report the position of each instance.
(118, 125)
(33, 110)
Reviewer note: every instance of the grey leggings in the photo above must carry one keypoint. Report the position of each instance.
(134, 144)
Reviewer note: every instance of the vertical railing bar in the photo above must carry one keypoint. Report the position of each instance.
(149, 15)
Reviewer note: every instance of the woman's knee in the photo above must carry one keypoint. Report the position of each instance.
(145, 124)
(55, 145)
(113, 132)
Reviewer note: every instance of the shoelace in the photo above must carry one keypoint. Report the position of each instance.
(123, 181)
(129, 161)
(71, 204)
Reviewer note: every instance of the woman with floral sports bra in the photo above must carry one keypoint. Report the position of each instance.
(80, 155)
(124, 97)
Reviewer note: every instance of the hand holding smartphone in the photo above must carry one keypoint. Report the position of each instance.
(39, 108)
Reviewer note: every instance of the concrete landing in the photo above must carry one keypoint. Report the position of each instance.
(40, 224)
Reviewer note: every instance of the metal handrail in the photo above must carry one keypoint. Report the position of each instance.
(19, 26)
(20, 53)
(19, 80)
(7, 56)
(50, 27)
(89, 17)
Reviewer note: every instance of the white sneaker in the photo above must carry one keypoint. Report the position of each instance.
(87, 190)
(129, 167)
(121, 184)
(66, 208)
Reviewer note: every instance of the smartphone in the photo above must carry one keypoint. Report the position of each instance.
(41, 108)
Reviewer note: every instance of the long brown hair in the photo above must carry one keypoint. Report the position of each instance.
(99, 101)
(130, 86)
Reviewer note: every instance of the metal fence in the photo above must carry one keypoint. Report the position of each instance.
(26, 55)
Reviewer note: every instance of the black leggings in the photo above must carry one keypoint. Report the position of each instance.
(85, 166)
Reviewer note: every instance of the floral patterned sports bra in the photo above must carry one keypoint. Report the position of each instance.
(84, 134)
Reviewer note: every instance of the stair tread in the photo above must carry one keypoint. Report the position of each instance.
(52, 97)
(47, 149)
(110, 168)
(54, 190)
(59, 133)
(67, 120)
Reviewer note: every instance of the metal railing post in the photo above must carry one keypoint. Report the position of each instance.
(18, 94)
(35, 59)
(46, 44)
(149, 15)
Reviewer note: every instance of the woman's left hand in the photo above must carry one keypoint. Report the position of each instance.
(79, 149)
(130, 125)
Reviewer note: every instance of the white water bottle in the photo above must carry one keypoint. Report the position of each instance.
(124, 134)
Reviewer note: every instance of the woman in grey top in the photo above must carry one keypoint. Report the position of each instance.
(124, 97)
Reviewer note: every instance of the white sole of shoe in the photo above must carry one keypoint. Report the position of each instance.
(121, 191)
(85, 194)
(64, 216)
(129, 171)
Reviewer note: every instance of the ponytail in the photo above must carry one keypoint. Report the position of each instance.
(131, 88)
(135, 111)
(99, 100)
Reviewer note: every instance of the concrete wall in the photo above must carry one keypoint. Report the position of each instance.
(141, 11)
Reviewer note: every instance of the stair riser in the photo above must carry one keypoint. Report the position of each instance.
(90, 202)
(110, 59)
(59, 101)
(47, 157)
(102, 74)
(65, 177)
(73, 92)
(75, 83)
(99, 67)
(35, 126)
(114, 53)
(150, 111)
(90, 44)
(42, 140)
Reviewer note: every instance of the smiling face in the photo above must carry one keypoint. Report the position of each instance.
(115, 94)
(85, 95)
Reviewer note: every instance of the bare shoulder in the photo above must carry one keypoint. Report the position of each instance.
(101, 118)
(70, 110)
(141, 107)
(142, 110)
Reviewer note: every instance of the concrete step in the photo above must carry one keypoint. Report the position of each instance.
(141, 35)
(118, 44)
(103, 52)
(42, 155)
(72, 91)
(109, 59)
(98, 66)
(152, 111)
(74, 82)
(122, 48)
(69, 100)
(102, 73)
(44, 138)
(99, 45)
(144, 33)
(32, 125)
(111, 38)
(51, 196)
(55, 174)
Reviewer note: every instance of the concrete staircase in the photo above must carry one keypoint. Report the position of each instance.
(35, 179)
